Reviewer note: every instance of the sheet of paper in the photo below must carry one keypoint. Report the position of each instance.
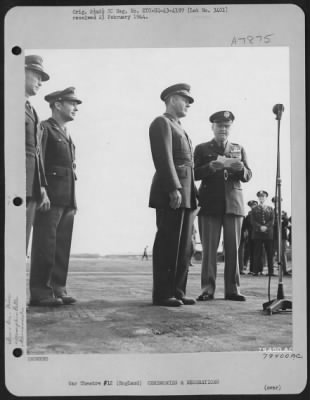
(226, 161)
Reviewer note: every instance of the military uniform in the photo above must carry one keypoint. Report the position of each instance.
(249, 243)
(221, 202)
(285, 226)
(262, 216)
(242, 246)
(173, 159)
(35, 177)
(52, 231)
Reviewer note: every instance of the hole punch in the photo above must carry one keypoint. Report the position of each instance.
(16, 50)
(18, 352)
(17, 201)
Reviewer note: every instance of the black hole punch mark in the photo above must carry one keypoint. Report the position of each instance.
(17, 201)
(16, 50)
(17, 352)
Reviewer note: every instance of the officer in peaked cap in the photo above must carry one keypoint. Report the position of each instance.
(262, 193)
(262, 219)
(36, 196)
(173, 195)
(35, 63)
(182, 89)
(274, 199)
(52, 232)
(285, 234)
(63, 95)
(248, 241)
(252, 203)
(221, 166)
(222, 116)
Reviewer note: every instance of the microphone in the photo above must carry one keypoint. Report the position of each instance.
(278, 110)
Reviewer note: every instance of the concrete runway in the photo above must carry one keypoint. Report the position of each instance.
(114, 314)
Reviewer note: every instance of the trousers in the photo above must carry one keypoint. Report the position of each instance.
(258, 251)
(172, 252)
(249, 253)
(31, 206)
(210, 232)
(50, 253)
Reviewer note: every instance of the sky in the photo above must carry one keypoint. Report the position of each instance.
(120, 90)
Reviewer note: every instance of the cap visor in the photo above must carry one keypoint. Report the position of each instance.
(190, 99)
(72, 99)
(45, 77)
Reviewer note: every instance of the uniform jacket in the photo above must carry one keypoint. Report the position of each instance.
(247, 224)
(246, 229)
(262, 215)
(35, 177)
(173, 159)
(284, 227)
(59, 162)
(220, 192)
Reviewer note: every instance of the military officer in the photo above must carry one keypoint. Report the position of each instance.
(249, 244)
(242, 247)
(36, 196)
(262, 220)
(52, 231)
(173, 195)
(220, 165)
(284, 236)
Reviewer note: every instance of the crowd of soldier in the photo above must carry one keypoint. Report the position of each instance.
(253, 251)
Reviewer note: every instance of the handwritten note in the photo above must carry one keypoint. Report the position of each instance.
(14, 321)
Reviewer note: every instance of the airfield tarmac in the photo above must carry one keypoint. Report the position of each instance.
(114, 314)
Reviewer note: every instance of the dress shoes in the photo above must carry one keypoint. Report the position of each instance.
(235, 297)
(187, 301)
(47, 302)
(205, 297)
(67, 299)
(169, 302)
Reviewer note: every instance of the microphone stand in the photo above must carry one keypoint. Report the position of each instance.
(280, 303)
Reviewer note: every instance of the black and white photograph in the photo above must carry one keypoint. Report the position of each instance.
(155, 211)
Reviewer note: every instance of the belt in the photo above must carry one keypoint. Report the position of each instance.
(184, 163)
(227, 174)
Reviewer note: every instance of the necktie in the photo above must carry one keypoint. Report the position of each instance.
(28, 106)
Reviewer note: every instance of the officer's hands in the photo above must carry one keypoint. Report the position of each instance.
(216, 165)
(237, 165)
(175, 199)
(263, 228)
(45, 203)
